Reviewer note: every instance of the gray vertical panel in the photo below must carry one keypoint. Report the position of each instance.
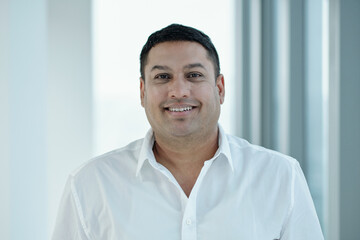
(267, 74)
(275, 93)
(255, 71)
(246, 77)
(332, 213)
(239, 67)
(270, 107)
(349, 119)
(297, 80)
(251, 70)
(314, 160)
(281, 77)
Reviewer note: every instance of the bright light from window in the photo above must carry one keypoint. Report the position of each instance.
(120, 30)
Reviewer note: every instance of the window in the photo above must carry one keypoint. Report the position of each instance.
(120, 29)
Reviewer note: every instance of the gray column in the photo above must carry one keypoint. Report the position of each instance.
(249, 69)
(314, 162)
(343, 188)
(283, 107)
(349, 158)
(332, 202)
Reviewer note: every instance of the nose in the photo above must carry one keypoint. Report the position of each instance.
(179, 88)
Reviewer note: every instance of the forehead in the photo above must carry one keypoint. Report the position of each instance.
(177, 53)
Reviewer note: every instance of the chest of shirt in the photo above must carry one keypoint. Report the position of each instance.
(221, 206)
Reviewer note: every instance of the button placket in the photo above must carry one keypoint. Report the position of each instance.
(189, 222)
(189, 225)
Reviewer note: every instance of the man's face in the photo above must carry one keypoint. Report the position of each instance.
(180, 94)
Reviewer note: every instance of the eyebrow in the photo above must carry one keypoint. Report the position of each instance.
(194, 65)
(189, 66)
(159, 67)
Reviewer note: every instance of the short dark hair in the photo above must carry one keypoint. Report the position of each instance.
(177, 32)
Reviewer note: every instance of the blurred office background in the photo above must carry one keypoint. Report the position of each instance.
(69, 90)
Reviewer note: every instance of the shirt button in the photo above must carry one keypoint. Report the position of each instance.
(188, 221)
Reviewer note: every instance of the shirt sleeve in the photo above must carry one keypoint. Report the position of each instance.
(302, 222)
(69, 224)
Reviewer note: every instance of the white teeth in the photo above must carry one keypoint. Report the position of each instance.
(172, 109)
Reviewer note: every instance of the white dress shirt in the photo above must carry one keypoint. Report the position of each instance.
(243, 192)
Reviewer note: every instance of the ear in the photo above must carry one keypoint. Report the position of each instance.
(142, 91)
(220, 84)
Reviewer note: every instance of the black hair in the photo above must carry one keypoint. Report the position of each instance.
(177, 32)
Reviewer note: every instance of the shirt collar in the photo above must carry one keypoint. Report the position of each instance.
(146, 152)
(224, 147)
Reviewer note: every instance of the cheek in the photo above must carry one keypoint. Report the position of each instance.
(153, 96)
(207, 94)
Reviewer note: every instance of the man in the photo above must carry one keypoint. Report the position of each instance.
(186, 179)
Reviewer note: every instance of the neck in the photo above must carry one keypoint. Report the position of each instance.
(182, 150)
(184, 159)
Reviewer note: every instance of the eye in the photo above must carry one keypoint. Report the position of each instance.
(194, 75)
(162, 76)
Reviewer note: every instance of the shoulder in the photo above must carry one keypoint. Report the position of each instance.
(119, 161)
(258, 158)
(265, 171)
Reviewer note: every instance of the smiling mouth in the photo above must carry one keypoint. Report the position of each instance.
(179, 109)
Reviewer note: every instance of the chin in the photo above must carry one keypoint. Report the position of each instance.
(181, 132)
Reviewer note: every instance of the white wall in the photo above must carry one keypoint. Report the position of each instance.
(46, 126)
(25, 112)
(69, 93)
